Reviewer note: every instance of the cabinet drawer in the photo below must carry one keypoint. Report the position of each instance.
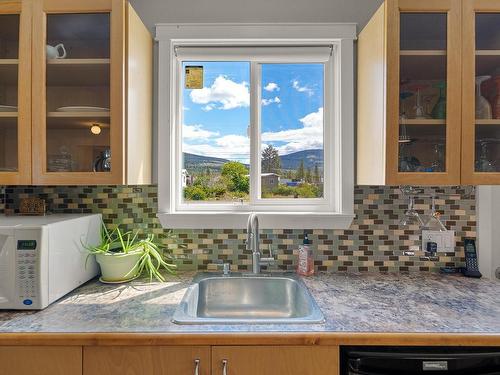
(275, 360)
(40, 360)
(141, 360)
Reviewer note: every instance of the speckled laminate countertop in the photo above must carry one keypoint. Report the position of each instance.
(350, 302)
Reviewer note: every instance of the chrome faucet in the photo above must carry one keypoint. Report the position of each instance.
(252, 243)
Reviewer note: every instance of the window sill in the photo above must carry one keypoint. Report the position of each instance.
(267, 220)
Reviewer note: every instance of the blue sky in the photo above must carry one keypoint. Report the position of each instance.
(216, 118)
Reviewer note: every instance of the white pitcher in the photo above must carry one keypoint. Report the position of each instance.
(52, 52)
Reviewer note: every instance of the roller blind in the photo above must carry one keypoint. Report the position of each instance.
(265, 54)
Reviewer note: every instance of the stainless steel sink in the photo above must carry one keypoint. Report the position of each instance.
(247, 299)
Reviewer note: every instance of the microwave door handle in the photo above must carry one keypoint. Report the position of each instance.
(4, 240)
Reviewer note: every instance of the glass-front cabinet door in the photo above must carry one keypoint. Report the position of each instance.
(481, 92)
(15, 96)
(423, 91)
(78, 69)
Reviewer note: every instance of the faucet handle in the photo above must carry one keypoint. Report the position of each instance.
(271, 260)
(226, 267)
(248, 241)
(271, 252)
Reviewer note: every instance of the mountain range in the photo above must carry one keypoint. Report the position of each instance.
(311, 158)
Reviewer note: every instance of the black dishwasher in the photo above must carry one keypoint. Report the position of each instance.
(420, 360)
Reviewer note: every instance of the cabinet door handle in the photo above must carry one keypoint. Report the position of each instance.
(224, 367)
(196, 367)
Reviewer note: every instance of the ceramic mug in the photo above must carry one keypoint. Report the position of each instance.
(52, 52)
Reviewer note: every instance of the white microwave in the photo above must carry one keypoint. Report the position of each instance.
(43, 258)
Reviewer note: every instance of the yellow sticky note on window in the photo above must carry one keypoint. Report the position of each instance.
(193, 77)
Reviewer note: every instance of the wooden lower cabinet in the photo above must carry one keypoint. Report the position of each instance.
(40, 360)
(169, 360)
(146, 360)
(275, 360)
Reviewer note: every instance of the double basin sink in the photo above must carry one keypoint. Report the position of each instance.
(247, 299)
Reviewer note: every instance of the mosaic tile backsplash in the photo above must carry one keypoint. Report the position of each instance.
(374, 243)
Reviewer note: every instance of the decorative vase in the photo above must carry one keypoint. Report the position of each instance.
(496, 102)
(419, 107)
(439, 110)
(483, 107)
(403, 136)
(119, 267)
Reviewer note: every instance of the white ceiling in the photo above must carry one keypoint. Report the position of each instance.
(198, 11)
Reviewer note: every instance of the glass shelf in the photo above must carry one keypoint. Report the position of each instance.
(80, 79)
(9, 69)
(422, 148)
(487, 148)
(78, 114)
(8, 144)
(423, 74)
(9, 37)
(423, 122)
(487, 93)
(414, 37)
(422, 53)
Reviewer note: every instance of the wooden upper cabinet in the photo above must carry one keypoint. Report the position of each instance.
(409, 94)
(481, 92)
(15, 92)
(92, 93)
(275, 360)
(142, 360)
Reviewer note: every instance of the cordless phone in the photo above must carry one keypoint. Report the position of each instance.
(471, 267)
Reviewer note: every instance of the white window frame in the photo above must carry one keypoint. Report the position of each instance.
(335, 209)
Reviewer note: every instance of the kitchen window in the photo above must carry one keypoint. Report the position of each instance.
(253, 124)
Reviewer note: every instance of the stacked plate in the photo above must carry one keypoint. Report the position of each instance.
(8, 108)
(82, 108)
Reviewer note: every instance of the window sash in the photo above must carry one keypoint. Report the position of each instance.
(327, 202)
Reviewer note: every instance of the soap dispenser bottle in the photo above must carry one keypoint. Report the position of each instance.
(306, 261)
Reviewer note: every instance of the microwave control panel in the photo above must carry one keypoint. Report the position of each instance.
(27, 270)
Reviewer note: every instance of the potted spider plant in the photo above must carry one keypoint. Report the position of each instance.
(122, 256)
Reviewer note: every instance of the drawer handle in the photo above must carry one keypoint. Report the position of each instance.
(196, 367)
(224, 367)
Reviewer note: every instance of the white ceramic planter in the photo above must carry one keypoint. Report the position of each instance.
(118, 267)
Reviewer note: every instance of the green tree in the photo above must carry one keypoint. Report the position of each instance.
(201, 180)
(235, 175)
(233, 168)
(307, 191)
(300, 172)
(241, 184)
(195, 193)
(317, 177)
(271, 162)
(308, 176)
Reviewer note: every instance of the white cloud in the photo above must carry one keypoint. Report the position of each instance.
(231, 146)
(237, 147)
(193, 132)
(233, 140)
(313, 120)
(296, 85)
(266, 102)
(310, 136)
(208, 107)
(225, 93)
(271, 86)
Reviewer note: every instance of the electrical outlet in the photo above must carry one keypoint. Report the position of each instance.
(445, 240)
